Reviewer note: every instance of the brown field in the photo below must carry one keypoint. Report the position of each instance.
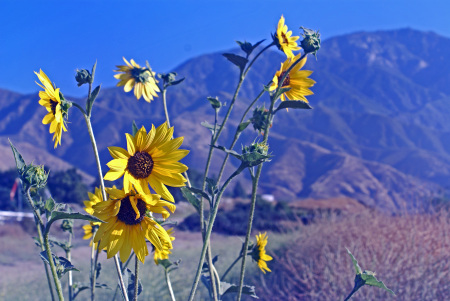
(411, 254)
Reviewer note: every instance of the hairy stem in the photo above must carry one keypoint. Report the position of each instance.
(231, 266)
(208, 232)
(169, 285)
(136, 278)
(69, 258)
(102, 184)
(41, 242)
(52, 267)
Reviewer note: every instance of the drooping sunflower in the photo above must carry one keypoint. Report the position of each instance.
(284, 39)
(150, 158)
(57, 108)
(89, 231)
(259, 252)
(142, 79)
(296, 79)
(165, 252)
(127, 224)
(94, 198)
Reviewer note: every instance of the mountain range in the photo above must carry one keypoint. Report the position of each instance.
(378, 132)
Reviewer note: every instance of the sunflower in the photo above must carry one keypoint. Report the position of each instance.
(259, 252)
(284, 39)
(141, 78)
(56, 107)
(89, 231)
(151, 158)
(94, 198)
(164, 253)
(127, 224)
(297, 80)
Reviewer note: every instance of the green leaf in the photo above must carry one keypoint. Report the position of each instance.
(228, 288)
(91, 99)
(79, 287)
(129, 280)
(93, 71)
(231, 152)
(212, 186)
(372, 281)
(20, 162)
(293, 104)
(56, 215)
(366, 277)
(247, 47)
(191, 198)
(243, 126)
(199, 192)
(62, 264)
(134, 128)
(237, 60)
(355, 262)
(49, 207)
(175, 82)
(214, 101)
(62, 244)
(211, 127)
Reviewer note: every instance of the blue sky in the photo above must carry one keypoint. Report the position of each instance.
(61, 36)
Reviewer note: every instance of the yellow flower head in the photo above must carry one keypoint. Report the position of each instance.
(284, 39)
(297, 80)
(127, 224)
(150, 158)
(165, 252)
(94, 198)
(142, 79)
(259, 252)
(89, 231)
(51, 99)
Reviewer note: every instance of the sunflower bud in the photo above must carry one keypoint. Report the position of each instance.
(83, 76)
(311, 40)
(255, 154)
(33, 176)
(260, 119)
(67, 225)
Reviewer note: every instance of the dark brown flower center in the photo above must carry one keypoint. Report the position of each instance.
(140, 165)
(53, 105)
(128, 215)
(285, 39)
(286, 81)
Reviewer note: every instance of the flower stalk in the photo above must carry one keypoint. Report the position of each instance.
(52, 267)
(255, 179)
(169, 285)
(136, 277)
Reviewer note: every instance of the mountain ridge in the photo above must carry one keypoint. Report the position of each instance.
(372, 105)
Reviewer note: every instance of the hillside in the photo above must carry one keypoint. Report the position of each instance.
(378, 132)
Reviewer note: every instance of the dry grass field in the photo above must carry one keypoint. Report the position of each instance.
(411, 254)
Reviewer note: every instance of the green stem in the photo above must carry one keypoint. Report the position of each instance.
(212, 275)
(37, 216)
(166, 112)
(255, 182)
(136, 278)
(242, 76)
(69, 258)
(41, 241)
(93, 268)
(237, 134)
(52, 267)
(169, 285)
(208, 232)
(231, 266)
(102, 184)
(165, 106)
(124, 266)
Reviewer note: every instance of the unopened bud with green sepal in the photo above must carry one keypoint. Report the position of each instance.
(311, 40)
(260, 119)
(82, 77)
